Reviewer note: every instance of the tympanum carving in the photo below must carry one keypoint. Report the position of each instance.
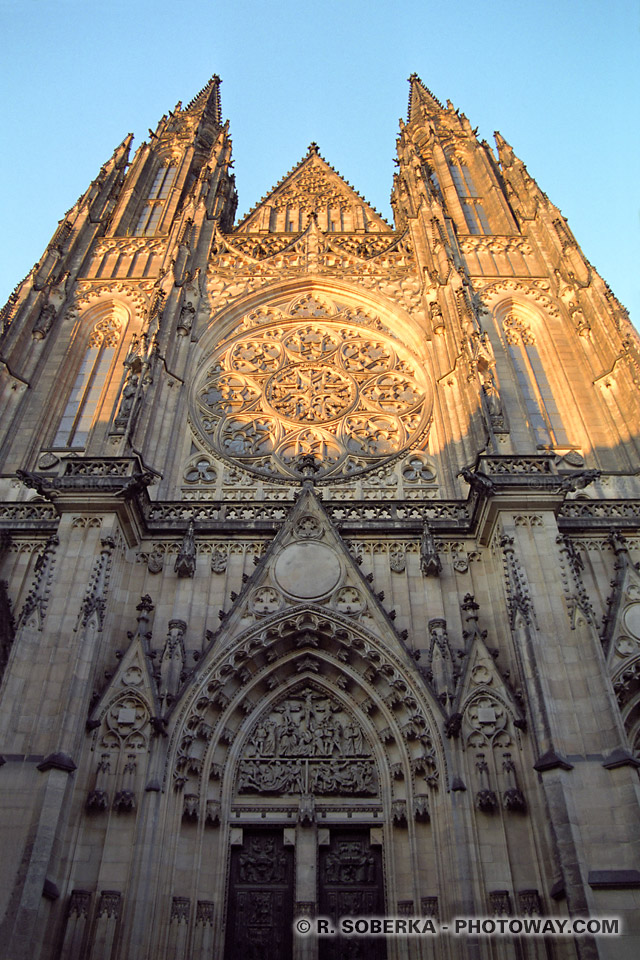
(307, 745)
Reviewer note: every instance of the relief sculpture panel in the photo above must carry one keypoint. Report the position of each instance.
(307, 744)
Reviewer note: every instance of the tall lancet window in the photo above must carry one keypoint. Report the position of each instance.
(542, 411)
(89, 386)
(154, 205)
(472, 208)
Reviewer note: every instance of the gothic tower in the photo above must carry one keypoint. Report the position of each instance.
(320, 543)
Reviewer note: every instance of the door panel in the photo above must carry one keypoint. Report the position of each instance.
(260, 911)
(350, 884)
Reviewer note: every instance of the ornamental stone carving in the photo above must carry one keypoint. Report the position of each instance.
(349, 600)
(320, 387)
(125, 724)
(265, 600)
(109, 904)
(308, 527)
(307, 745)
(486, 715)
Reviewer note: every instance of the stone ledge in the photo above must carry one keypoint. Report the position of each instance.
(614, 879)
(620, 758)
(50, 890)
(552, 761)
(57, 761)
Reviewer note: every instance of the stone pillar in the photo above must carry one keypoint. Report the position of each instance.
(107, 918)
(306, 840)
(178, 928)
(203, 937)
(73, 947)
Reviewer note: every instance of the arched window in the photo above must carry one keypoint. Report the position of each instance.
(432, 177)
(542, 410)
(463, 182)
(155, 202)
(89, 385)
(472, 208)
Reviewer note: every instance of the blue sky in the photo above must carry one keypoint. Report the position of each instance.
(558, 78)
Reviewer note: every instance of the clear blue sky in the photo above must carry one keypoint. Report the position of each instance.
(559, 78)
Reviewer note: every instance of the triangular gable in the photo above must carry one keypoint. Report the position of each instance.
(305, 628)
(484, 705)
(313, 186)
(307, 563)
(132, 677)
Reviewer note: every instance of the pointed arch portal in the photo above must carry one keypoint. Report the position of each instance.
(308, 741)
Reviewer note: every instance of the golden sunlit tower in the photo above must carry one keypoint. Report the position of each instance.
(320, 590)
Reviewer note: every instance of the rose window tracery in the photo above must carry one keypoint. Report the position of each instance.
(316, 386)
(309, 392)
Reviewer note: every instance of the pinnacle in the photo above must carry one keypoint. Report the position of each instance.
(420, 95)
(208, 96)
(121, 152)
(313, 149)
(505, 150)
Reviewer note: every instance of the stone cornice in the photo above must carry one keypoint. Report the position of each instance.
(497, 483)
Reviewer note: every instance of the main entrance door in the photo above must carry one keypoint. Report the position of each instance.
(260, 915)
(350, 884)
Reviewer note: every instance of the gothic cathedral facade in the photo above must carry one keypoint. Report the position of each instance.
(320, 543)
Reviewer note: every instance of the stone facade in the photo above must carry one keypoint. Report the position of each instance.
(320, 544)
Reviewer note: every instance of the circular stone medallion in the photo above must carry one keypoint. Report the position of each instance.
(307, 570)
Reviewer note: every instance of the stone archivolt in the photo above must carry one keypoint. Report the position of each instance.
(324, 388)
(310, 740)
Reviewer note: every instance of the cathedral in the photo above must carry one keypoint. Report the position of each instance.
(320, 542)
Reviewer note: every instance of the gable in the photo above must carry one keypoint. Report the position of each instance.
(313, 187)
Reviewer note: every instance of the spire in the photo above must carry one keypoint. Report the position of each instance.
(208, 100)
(115, 164)
(421, 97)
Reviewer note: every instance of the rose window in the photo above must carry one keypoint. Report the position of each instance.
(348, 397)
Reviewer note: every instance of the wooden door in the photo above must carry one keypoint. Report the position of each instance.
(260, 910)
(351, 884)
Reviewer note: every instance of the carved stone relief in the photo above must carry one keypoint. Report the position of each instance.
(308, 744)
(125, 723)
(487, 715)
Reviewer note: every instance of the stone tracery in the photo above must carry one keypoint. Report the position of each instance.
(312, 384)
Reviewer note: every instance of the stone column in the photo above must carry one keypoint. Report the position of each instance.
(306, 840)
